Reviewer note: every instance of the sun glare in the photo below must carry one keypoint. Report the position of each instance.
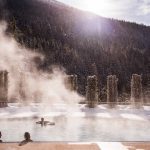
(101, 7)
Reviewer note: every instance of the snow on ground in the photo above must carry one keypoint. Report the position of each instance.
(111, 146)
(105, 145)
(17, 110)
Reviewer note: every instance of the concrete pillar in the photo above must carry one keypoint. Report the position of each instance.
(71, 82)
(112, 90)
(3, 88)
(136, 90)
(92, 91)
(146, 93)
(22, 85)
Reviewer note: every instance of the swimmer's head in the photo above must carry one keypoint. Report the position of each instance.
(27, 136)
(0, 134)
(42, 119)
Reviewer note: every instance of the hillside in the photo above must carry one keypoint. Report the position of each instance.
(81, 42)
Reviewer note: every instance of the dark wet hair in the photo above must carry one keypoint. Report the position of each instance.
(0, 134)
(27, 136)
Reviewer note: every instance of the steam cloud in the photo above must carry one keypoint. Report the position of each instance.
(26, 82)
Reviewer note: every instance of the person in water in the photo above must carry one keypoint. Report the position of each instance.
(0, 137)
(44, 123)
(27, 139)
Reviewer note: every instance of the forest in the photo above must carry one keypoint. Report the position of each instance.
(81, 42)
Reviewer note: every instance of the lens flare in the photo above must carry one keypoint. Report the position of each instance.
(101, 7)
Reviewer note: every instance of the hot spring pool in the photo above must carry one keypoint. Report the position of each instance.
(76, 124)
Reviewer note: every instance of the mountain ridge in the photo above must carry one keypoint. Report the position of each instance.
(82, 42)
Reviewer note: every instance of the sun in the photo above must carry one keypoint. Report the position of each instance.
(101, 7)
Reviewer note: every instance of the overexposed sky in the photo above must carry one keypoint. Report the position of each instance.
(129, 10)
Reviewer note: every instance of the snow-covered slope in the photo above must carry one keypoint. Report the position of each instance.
(37, 110)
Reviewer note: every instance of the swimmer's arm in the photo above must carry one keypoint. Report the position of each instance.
(51, 123)
(46, 122)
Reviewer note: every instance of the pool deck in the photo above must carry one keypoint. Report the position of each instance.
(77, 146)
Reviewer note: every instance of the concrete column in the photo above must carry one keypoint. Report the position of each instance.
(136, 90)
(3, 88)
(112, 90)
(71, 82)
(22, 84)
(146, 94)
(92, 91)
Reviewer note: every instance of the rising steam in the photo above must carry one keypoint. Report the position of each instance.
(26, 82)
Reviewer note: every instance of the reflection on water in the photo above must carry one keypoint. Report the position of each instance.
(76, 129)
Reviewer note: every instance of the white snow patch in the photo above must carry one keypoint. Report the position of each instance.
(132, 116)
(104, 145)
(35, 109)
(111, 146)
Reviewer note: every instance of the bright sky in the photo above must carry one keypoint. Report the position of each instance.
(129, 10)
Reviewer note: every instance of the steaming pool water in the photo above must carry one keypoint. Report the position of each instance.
(75, 123)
